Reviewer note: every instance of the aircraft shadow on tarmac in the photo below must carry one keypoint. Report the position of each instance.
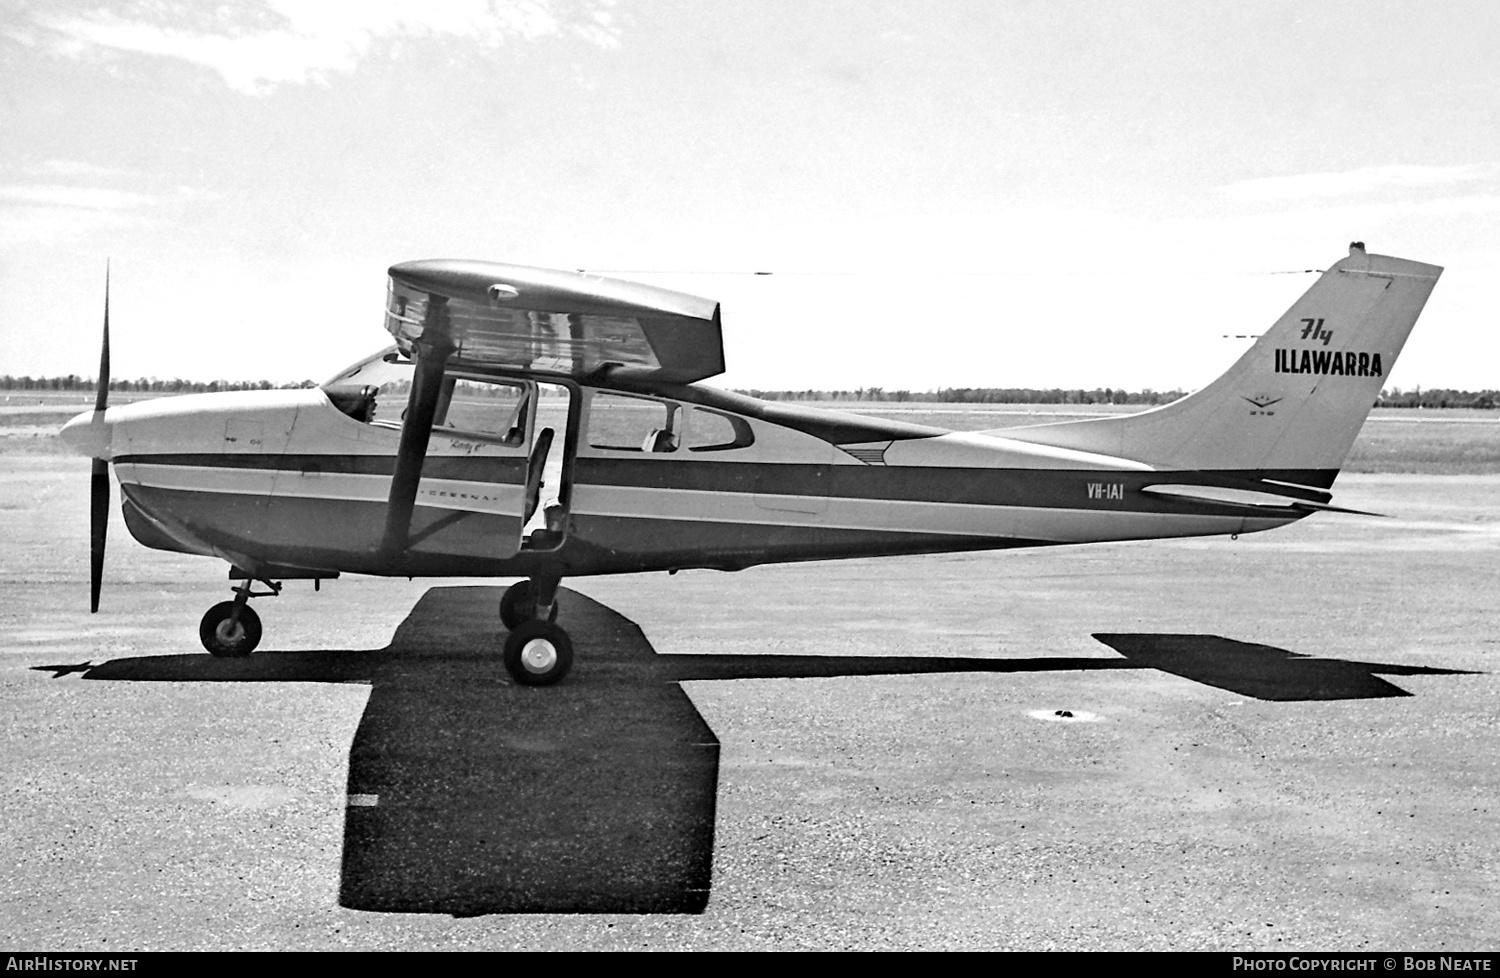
(1263, 672)
(470, 795)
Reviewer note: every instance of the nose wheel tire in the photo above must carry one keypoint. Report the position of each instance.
(518, 605)
(538, 653)
(223, 636)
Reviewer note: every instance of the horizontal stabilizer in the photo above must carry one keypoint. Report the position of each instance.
(1245, 497)
(1326, 508)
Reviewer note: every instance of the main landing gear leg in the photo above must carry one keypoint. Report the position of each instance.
(537, 651)
(232, 628)
(520, 604)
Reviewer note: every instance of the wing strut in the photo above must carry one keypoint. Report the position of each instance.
(431, 352)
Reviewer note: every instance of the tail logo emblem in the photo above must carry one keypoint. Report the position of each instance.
(1312, 329)
(1261, 401)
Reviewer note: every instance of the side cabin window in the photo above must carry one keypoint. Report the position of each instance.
(486, 411)
(627, 423)
(493, 412)
(710, 431)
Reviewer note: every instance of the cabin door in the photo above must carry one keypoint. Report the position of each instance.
(547, 490)
(469, 497)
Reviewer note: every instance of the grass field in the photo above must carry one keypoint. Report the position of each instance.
(1446, 442)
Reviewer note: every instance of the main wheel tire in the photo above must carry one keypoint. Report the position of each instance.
(538, 653)
(517, 605)
(222, 636)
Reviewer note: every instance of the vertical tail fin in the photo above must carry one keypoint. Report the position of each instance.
(1291, 407)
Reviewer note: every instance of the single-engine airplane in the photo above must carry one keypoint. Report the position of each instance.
(547, 424)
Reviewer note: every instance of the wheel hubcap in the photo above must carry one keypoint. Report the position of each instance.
(538, 655)
(229, 633)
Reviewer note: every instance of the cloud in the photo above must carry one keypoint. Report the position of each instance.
(58, 195)
(259, 45)
(50, 225)
(1351, 183)
(79, 170)
(49, 213)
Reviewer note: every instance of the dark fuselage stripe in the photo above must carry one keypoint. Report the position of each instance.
(1113, 490)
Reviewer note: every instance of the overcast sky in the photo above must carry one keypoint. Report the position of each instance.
(995, 193)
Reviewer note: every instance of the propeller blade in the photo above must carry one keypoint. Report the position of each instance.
(99, 489)
(102, 397)
(98, 525)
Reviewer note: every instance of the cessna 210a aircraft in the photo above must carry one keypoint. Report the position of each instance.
(547, 424)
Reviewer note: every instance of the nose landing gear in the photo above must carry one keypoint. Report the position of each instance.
(232, 628)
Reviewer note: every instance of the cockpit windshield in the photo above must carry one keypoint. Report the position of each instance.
(375, 389)
(379, 369)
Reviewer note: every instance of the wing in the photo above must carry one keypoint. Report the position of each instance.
(566, 324)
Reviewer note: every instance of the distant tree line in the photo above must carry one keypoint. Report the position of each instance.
(177, 385)
(979, 395)
(1394, 398)
(1438, 397)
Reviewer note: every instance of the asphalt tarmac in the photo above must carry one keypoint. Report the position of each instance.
(1289, 741)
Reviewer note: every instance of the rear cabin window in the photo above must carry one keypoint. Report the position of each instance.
(710, 431)
(622, 423)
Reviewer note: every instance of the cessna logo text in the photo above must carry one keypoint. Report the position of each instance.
(1345, 364)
